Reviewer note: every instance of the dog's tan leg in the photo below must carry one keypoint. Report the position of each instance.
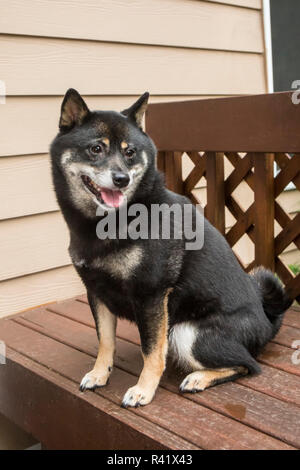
(154, 362)
(106, 329)
(200, 380)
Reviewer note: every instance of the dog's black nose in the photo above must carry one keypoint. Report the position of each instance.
(120, 179)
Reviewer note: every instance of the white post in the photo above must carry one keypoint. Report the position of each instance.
(268, 44)
(2, 92)
(2, 353)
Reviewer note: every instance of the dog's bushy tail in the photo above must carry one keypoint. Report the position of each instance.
(274, 298)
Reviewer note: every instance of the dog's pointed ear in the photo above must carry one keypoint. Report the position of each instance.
(73, 110)
(137, 110)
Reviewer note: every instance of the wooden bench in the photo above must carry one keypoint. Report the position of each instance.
(50, 348)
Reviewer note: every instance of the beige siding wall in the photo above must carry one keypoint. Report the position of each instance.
(111, 51)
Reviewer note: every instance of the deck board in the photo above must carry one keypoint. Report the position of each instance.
(275, 385)
(55, 412)
(287, 335)
(260, 412)
(230, 399)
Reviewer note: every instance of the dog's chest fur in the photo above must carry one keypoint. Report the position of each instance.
(121, 264)
(113, 276)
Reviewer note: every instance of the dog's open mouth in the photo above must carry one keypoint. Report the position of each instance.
(110, 197)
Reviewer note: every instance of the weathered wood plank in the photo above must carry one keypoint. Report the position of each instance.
(80, 312)
(250, 407)
(165, 411)
(272, 381)
(48, 352)
(74, 421)
(264, 210)
(292, 318)
(215, 208)
(160, 161)
(217, 126)
(173, 171)
(280, 357)
(287, 335)
(281, 422)
(276, 383)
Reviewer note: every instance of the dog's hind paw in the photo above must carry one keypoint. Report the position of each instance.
(201, 380)
(136, 396)
(94, 379)
(193, 383)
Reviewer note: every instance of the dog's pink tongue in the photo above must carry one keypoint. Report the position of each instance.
(112, 198)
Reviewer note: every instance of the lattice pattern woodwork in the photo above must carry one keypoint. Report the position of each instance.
(257, 221)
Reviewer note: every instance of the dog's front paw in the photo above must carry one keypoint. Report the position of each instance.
(94, 378)
(136, 396)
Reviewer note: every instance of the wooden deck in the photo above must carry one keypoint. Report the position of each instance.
(50, 348)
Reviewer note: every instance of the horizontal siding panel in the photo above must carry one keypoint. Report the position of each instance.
(30, 123)
(29, 291)
(32, 244)
(242, 3)
(26, 186)
(291, 257)
(41, 66)
(244, 248)
(290, 201)
(171, 22)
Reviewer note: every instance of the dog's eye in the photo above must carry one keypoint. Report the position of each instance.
(96, 149)
(129, 153)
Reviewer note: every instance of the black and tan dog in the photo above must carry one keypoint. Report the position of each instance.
(197, 304)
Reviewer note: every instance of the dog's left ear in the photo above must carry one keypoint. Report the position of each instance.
(137, 110)
(73, 110)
